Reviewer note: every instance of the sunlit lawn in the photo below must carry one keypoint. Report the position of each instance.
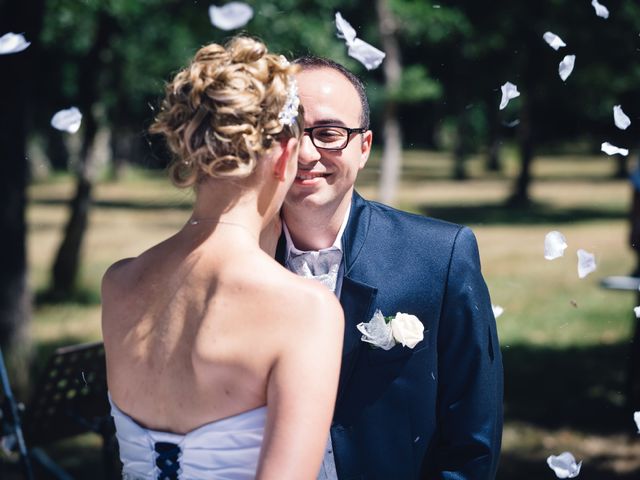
(564, 340)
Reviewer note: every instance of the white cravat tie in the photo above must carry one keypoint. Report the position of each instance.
(322, 265)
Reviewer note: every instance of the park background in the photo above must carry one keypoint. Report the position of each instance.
(73, 204)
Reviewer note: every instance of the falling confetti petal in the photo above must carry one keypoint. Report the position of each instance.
(609, 149)
(509, 91)
(601, 10)
(620, 118)
(566, 67)
(553, 40)
(512, 123)
(554, 245)
(497, 310)
(564, 465)
(67, 120)
(586, 263)
(12, 43)
(366, 54)
(636, 418)
(230, 16)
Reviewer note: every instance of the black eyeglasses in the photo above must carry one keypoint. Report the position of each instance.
(329, 137)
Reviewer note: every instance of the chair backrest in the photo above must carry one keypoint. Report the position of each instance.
(70, 397)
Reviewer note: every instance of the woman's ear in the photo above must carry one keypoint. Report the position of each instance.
(289, 149)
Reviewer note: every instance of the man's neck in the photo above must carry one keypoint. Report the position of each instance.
(315, 229)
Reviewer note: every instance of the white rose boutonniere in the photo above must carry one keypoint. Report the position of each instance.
(385, 332)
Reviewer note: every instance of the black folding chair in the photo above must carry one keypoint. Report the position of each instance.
(70, 398)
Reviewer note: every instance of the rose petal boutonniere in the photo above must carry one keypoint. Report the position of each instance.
(385, 332)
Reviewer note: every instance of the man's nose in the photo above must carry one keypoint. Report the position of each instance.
(308, 152)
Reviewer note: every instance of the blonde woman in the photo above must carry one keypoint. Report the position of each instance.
(221, 363)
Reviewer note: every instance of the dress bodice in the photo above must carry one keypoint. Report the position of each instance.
(227, 449)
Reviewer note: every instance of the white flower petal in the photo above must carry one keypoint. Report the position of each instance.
(366, 54)
(566, 66)
(636, 418)
(636, 310)
(586, 263)
(345, 30)
(601, 10)
(554, 245)
(620, 118)
(230, 16)
(67, 120)
(564, 465)
(377, 332)
(609, 149)
(12, 43)
(509, 91)
(553, 40)
(497, 310)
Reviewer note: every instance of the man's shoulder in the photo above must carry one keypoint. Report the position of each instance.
(411, 222)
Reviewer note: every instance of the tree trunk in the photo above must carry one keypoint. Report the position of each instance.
(391, 163)
(493, 163)
(622, 171)
(15, 85)
(67, 261)
(460, 149)
(520, 196)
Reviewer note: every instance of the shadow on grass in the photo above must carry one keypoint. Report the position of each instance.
(534, 214)
(120, 204)
(583, 389)
(598, 468)
(79, 296)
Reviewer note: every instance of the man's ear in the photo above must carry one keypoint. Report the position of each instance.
(289, 148)
(365, 147)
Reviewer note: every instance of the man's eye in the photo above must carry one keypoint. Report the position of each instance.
(329, 133)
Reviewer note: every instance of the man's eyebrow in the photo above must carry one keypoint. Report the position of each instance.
(330, 121)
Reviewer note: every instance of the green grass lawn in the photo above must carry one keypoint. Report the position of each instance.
(564, 340)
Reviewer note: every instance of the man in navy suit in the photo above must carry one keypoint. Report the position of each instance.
(429, 412)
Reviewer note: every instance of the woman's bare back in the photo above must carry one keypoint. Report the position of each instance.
(198, 330)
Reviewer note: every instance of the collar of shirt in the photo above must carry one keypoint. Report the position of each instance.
(337, 243)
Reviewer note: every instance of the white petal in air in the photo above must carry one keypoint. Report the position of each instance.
(586, 263)
(230, 16)
(636, 418)
(609, 149)
(67, 120)
(601, 10)
(497, 310)
(553, 40)
(564, 465)
(566, 66)
(12, 43)
(620, 118)
(345, 30)
(366, 54)
(554, 245)
(509, 91)
(636, 310)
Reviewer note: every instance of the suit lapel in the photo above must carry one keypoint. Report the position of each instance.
(357, 299)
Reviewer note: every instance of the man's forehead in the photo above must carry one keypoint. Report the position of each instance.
(326, 94)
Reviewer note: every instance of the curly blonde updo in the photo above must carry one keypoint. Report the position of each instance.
(220, 114)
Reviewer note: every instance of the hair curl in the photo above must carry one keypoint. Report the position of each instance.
(220, 114)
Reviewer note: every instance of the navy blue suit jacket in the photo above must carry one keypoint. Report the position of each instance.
(435, 411)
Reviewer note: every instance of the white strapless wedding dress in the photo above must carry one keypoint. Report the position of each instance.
(227, 449)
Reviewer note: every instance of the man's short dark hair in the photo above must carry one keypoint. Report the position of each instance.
(311, 62)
